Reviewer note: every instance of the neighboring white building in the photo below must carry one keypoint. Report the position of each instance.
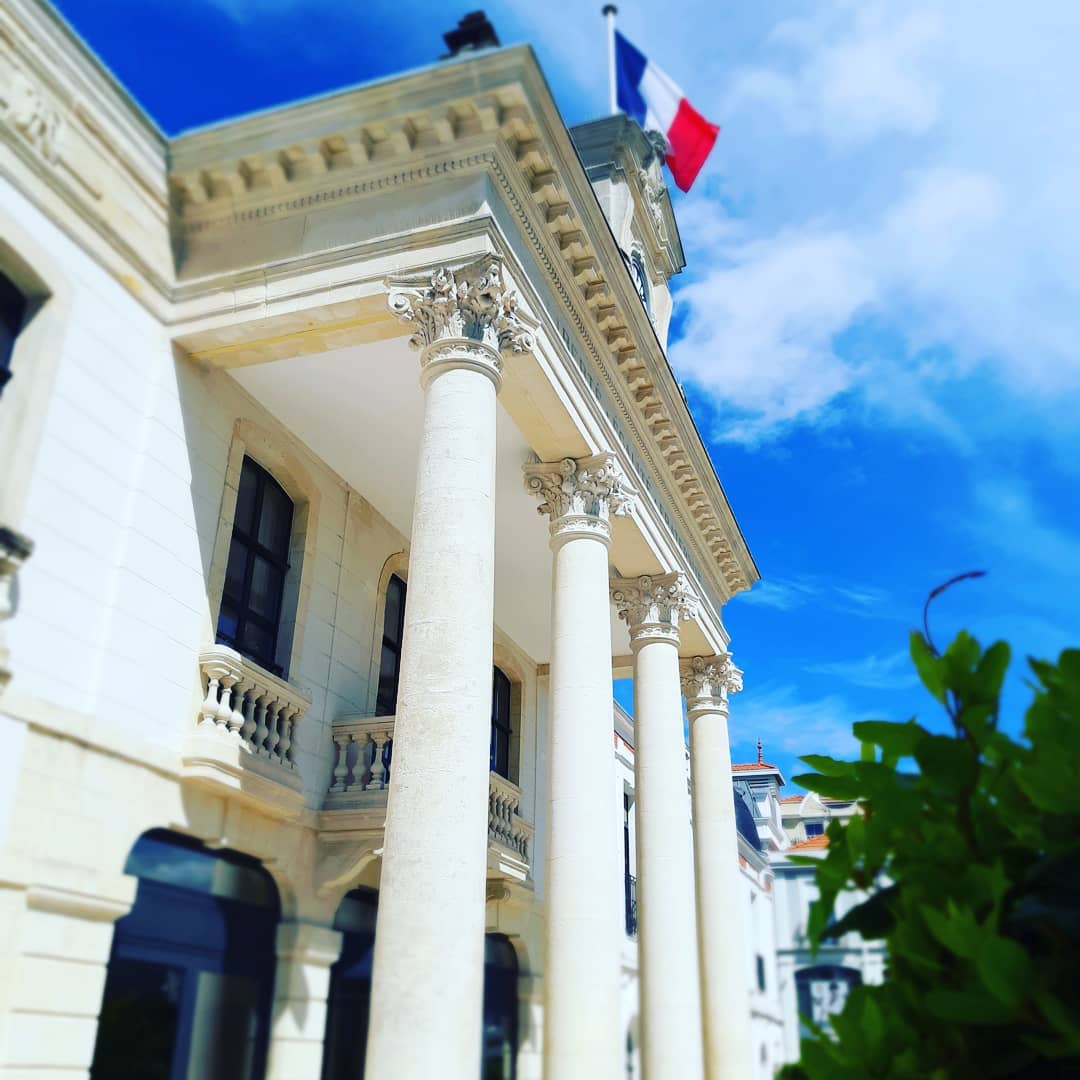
(806, 984)
(267, 379)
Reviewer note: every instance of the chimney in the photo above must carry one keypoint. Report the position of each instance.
(472, 33)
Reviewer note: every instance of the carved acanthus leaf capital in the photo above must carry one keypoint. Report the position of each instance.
(585, 493)
(651, 606)
(470, 301)
(707, 680)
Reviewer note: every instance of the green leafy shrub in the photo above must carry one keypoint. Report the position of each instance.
(971, 857)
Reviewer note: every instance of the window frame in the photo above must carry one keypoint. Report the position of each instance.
(254, 549)
(497, 725)
(387, 705)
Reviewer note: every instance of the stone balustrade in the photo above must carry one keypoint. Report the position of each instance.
(363, 749)
(363, 754)
(247, 705)
(505, 825)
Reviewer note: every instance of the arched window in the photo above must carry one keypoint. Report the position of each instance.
(348, 1004)
(500, 1009)
(822, 991)
(501, 724)
(250, 613)
(390, 662)
(191, 973)
(13, 306)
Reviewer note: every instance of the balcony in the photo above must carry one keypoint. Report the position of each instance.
(363, 765)
(245, 736)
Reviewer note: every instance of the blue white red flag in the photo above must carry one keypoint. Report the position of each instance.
(657, 104)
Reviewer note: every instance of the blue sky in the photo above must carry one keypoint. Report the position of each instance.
(878, 327)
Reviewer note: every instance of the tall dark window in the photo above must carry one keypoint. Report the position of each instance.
(390, 662)
(191, 972)
(500, 724)
(12, 316)
(760, 972)
(258, 562)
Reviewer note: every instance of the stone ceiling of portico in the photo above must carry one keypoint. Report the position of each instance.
(360, 409)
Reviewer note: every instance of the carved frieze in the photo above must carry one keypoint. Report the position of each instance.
(33, 116)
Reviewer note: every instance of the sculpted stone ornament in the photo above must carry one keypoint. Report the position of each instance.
(31, 114)
(707, 681)
(465, 311)
(651, 606)
(580, 497)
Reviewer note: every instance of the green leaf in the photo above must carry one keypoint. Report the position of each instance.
(893, 738)
(930, 668)
(992, 668)
(966, 1007)
(948, 761)
(1004, 968)
(828, 766)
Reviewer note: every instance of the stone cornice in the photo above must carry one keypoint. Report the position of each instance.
(488, 110)
(84, 142)
(652, 606)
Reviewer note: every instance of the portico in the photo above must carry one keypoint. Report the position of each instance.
(387, 329)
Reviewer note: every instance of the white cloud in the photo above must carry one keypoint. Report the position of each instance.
(788, 723)
(891, 671)
(932, 190)
(854, 81)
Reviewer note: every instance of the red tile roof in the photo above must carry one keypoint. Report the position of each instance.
(815, 843)
(792, 798)
(755, 765)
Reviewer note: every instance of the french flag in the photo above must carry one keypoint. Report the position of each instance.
(657, 104)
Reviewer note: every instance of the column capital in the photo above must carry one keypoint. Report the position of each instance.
(707, 681)
(580, 496)
(463, 317)
(652, 605)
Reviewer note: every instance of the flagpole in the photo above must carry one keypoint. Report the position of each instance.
(609, 12)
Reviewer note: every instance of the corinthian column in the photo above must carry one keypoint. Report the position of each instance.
(670, 985)
(583, 1039)
(706, 682)
(427, 986)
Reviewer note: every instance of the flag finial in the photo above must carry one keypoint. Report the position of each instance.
(760, 753)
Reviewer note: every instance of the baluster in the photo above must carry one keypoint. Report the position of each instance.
(248, 727)
(341, 765)
(224, 709)
(266, 703)
(492, 813)
(208, 713)
(239, 702)
(285, 723)
(294, 723)
(378, 766)
(273, 735)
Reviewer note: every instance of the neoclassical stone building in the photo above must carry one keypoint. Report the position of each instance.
(308, 757)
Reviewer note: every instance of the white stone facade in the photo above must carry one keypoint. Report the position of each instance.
(403, 306)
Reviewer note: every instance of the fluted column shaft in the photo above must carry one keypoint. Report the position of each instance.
(430, 927)
(725, 989)
(583, 1039)
(669, 982)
